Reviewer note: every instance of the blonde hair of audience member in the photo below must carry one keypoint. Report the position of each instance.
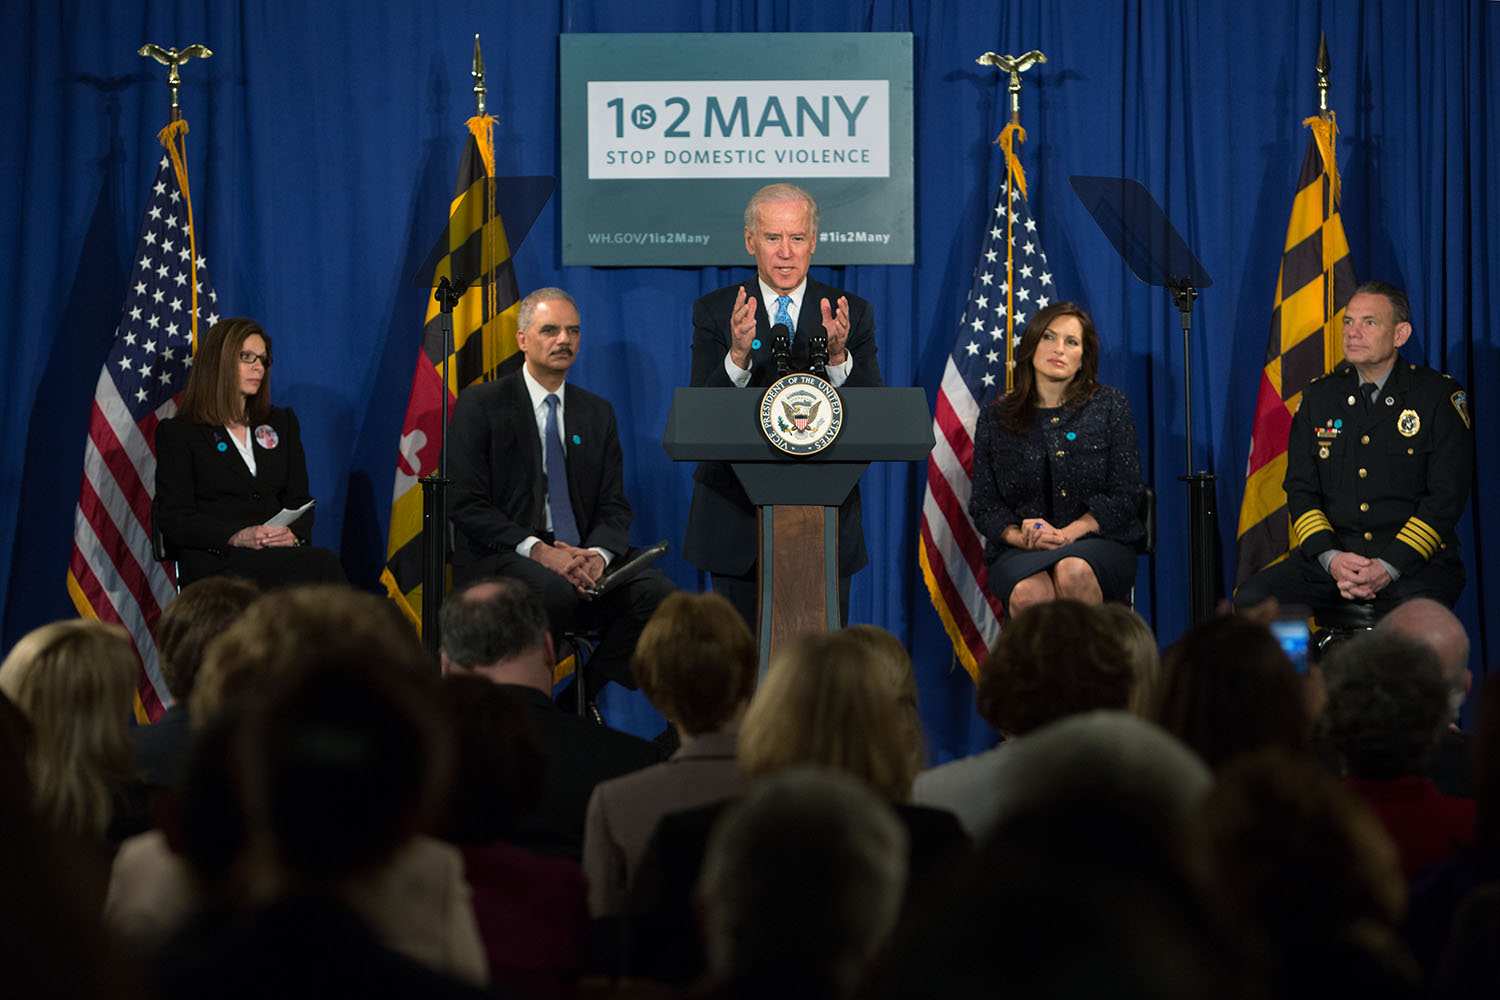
(887, 653)
(75, 681)
(296, 626)
(828, 701)
(1139, 644)
(695, 662)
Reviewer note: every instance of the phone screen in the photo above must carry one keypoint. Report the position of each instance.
(1293, 636)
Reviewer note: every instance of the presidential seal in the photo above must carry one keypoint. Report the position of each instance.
(801, 414)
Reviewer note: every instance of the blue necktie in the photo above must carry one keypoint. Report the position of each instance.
(564, 526)
(783, 313)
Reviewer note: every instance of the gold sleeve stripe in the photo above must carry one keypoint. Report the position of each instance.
(1309, 524)
(1420, 536)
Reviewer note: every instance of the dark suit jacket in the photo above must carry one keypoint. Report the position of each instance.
(580, 754)
(721, 523)
(498, 496)
(205, 492)
(159, 747)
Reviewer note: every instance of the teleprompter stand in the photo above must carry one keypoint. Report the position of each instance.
(1143, 235)
(798, 498)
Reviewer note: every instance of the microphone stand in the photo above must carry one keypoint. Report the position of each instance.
(781, 349)
(817, 353)
(435, 486)
(1202, 516)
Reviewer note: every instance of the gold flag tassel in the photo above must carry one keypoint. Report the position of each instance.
(492, 242)
(173, 136)
(1325, 132)
(1015, 180)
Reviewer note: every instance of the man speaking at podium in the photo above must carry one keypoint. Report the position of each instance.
(732, 341)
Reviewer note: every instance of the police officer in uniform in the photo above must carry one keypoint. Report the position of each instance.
(1379, 461)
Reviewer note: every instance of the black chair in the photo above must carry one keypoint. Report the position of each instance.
(1146, 508)
(1339, 622)
(580, 644)
(162, 550)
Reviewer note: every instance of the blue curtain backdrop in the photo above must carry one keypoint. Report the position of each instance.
(325, 138)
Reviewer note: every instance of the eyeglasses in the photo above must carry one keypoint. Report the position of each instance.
(250, 357)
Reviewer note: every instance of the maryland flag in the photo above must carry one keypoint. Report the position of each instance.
(484, 347)
(1316, 282)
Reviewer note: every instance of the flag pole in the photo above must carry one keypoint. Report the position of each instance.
(1325, 132)
(173, 138)
(1015, 181)
(435, 486)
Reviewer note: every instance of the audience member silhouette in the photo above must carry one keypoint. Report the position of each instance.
(340, 762)
(1430, 622)
(831, 700)
(1468, 967)
(51, 938)
(1307, 876)
(195, 617)
(75, 682)
(1226, 688)
(695, 661)
(1139, 643)
(531, 910)
(416, 900)
(1051, 661)
(497, 629)
(1080, 890)
(1387, 707)
(802, 883)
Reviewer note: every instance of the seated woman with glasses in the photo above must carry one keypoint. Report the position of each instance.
(229, 462)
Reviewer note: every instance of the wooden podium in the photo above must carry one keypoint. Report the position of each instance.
(798, 498)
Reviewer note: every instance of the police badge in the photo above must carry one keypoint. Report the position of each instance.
(1408, 423)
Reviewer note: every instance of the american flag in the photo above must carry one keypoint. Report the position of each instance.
(1011, 282)
(111, 573)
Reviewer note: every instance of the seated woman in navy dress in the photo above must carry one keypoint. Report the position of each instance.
(228, 462)
(1057, 472)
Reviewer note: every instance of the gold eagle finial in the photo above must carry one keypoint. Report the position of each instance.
(1015, 66)
(172, 58)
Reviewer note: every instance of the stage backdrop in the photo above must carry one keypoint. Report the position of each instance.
(326, 136)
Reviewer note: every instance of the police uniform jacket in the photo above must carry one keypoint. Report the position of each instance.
(1070, 462)
(1387, 483)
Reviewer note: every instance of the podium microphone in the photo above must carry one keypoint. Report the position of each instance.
(781, 349)
(817, 352)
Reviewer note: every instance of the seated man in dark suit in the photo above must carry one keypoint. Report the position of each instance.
(538, 490)
(732, 347)
(497, 629)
